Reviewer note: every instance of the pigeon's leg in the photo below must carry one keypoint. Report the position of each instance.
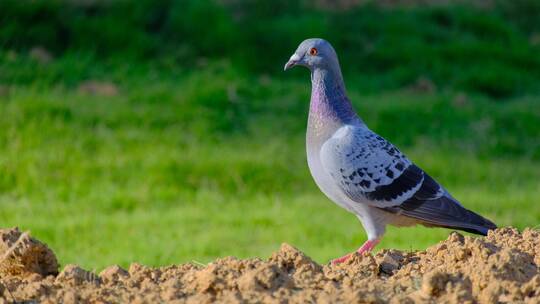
(366, 247)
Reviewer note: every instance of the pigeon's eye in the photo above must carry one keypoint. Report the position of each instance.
(313, 51)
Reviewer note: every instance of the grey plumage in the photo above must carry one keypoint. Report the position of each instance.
(361, 171)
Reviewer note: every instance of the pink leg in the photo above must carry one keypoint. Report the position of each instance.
(366, 247)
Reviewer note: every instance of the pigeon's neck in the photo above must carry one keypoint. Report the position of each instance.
(329, 101)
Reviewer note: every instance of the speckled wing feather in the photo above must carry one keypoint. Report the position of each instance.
(368, 168)
(372, 171)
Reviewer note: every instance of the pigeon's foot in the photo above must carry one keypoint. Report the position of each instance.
(341, 259)
(366, 247)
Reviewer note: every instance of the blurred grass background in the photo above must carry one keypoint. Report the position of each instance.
(165, 131)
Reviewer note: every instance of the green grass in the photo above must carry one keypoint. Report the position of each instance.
(152, 177)
(201, 154)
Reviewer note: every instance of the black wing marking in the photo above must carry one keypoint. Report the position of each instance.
(409, 179)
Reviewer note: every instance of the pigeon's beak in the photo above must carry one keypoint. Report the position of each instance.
(292, 61)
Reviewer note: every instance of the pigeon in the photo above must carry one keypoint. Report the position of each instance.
(361, 171)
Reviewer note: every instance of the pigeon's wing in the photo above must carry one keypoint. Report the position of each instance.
(368, 168)
(372, 171)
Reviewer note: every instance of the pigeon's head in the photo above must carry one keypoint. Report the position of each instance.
(314, 53)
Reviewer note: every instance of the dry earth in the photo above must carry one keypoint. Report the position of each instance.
(502, 267)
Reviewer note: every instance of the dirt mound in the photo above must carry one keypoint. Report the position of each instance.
(502, 267)
(21, 255)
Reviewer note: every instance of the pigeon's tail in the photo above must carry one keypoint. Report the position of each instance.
(445, 212)
(474, 223)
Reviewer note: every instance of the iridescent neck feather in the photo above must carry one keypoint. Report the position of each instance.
(329, 101)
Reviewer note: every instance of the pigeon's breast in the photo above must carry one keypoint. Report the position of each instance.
(318, 132)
